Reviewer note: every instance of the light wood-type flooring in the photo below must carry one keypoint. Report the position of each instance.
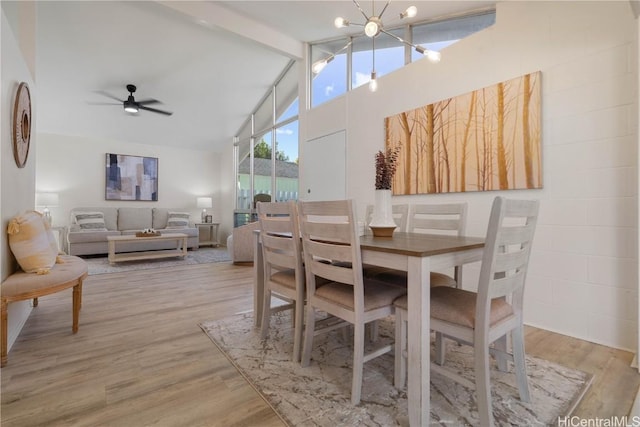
(140, 359)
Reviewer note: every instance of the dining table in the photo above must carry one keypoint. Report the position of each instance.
(417, 254)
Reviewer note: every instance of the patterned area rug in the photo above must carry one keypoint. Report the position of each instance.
(100, 265)
(319, 395)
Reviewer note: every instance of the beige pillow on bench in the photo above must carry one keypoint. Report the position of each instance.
(32, 242)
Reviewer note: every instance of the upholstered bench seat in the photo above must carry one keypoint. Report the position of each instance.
(68, 273)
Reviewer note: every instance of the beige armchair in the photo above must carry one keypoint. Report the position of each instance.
(240, 243)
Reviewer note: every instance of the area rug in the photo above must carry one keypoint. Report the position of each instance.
(100, 265)
(319, 395)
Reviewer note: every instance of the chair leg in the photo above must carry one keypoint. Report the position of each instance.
(358, 362)
(373, 331)
(308, 336)
(266, 313)
(400, 362)
(441, 348)
(298, 309)
(501, 357)
(483, 387)
(520, 364)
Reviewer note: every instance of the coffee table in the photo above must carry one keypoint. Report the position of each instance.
(179, 251)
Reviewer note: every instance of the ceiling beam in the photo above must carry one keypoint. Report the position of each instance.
(208, 13)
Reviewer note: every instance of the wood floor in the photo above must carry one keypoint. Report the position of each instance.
(140, 359)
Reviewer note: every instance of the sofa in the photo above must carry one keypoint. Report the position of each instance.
(240, 244)
(89, 227)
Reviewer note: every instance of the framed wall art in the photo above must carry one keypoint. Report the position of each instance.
(488, 139)
(131, 178)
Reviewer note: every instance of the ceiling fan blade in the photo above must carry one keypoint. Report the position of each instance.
(108, 95)
(155, 110)
(149, 101)
(104, 103)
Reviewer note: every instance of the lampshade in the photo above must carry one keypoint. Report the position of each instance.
(204, 202)
(47, 199)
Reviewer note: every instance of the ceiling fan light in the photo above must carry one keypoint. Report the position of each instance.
(409, 13)
(130, 108)
(340, 22)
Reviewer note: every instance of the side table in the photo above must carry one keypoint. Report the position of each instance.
(212, 236)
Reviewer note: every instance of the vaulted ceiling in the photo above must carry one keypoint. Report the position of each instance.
(209, 63)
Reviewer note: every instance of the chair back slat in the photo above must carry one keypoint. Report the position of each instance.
(331, 271)
(447, 218)
(279, 260)
(507, 251)
(332, 232)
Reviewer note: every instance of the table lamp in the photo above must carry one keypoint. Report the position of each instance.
(204, 203)
(47, 200)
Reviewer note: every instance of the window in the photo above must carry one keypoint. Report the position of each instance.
(267, 147)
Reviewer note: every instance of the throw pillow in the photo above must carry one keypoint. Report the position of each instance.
(30, 244)
(178, 220)
(90, 221)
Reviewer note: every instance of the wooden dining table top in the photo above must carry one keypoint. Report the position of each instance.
(420, 245)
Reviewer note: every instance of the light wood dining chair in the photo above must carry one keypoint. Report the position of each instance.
(283, 268)
(331, 247)
(445, 219)
(400, 213)
(482, 318)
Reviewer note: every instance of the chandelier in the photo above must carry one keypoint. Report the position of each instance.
(373, 27)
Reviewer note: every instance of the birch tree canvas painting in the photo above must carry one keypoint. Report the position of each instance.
(489, 139)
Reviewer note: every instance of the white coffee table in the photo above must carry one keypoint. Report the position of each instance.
(179, 251)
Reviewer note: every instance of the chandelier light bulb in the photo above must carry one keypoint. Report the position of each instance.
(372, 27)
(340, 22)
(373, 83)
(319, 66)
(432, 55)
(409, 13)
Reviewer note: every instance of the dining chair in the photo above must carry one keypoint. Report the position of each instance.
(482, 318)
(331, 248)
(444, 219)
(400, 214)
(283, 267)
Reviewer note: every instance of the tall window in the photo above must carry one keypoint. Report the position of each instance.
(267, 147)
(356, 54)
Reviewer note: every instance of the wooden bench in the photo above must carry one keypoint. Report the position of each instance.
(22, 286)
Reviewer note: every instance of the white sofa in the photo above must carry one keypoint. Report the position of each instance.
(123, 221)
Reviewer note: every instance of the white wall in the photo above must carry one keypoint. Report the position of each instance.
(16, 185)
(74, 167)
(583, 276)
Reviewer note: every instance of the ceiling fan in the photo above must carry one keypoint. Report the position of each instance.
(132, 106)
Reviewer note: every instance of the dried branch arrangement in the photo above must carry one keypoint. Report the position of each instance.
(386, 164)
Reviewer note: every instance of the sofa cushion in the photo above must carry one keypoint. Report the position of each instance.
(90, 221)
(160, 216)
(91, 236)
(178, 220)
(110, 217)
(134, 218)
(30, 244)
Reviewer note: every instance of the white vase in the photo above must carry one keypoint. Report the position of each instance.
(383, 213)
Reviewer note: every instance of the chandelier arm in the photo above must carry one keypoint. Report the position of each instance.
(384, 8)
(401, 40)
(360, 9)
